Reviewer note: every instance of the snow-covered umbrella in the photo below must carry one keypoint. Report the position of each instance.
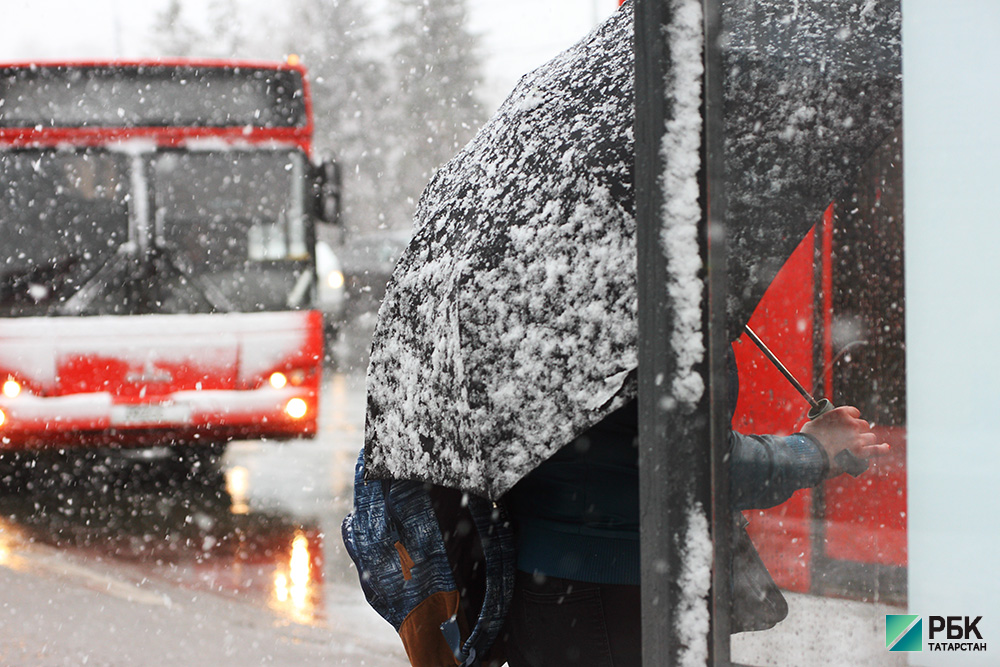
(509, 326)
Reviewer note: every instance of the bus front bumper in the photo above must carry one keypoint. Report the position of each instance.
(208, 416)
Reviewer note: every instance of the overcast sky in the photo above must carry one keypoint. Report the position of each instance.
(517, 34)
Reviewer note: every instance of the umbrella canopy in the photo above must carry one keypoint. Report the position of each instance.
(509, 325)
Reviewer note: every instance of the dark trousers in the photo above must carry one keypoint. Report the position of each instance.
(563, 623)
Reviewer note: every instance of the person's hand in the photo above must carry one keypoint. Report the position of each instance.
(842, 428)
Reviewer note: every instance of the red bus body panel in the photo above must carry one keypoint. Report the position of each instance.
(149, 380)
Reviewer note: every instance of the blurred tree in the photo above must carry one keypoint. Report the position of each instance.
(223, 36)
(340, 48)
(437, 73)
(173, 34)
(226, 35)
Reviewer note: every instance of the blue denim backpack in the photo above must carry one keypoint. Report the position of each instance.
(427, 558)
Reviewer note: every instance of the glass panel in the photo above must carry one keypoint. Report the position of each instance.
(63, 215)
(253, 257)
(815, 226)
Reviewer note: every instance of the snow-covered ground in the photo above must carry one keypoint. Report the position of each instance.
(60, 609)
(83, 606)
(821, 632)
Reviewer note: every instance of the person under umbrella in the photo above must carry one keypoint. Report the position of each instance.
(503, 361)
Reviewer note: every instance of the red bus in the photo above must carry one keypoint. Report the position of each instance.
(835, 317)
(158, 281)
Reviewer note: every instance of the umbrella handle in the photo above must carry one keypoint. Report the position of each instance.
(847, 461)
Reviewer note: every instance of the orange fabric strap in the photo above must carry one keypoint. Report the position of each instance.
(421, 631)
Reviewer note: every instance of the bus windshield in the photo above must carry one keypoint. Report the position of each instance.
(249, 256)
(62, 216)
(104, 232)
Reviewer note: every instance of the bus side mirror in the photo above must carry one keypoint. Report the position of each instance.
(326, 191)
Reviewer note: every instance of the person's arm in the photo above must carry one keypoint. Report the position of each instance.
(765, 470)
(843, 428)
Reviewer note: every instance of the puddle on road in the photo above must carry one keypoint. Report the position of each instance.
(194, 530)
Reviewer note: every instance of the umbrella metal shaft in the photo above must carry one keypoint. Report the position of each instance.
(847, 461)
(781, 367)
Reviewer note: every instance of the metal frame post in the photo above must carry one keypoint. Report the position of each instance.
(713, 192)
(683, 481)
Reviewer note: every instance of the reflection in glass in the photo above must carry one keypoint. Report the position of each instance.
(247, 259)
(812, 100)
(75, 238)
(63, 215)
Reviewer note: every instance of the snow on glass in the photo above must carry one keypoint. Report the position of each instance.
(681, 218)
(811, 89)
(681, 213)
(694, 583)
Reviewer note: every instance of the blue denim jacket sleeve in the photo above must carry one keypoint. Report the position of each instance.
(766, 470)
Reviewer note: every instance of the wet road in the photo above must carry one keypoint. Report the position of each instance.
(125, 561)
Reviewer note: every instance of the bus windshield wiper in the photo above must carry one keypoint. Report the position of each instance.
(98, 282)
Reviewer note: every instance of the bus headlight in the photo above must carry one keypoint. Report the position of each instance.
(296, 408)
(335, 279)
(3, 417)
(278, 380)
(11, 388)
